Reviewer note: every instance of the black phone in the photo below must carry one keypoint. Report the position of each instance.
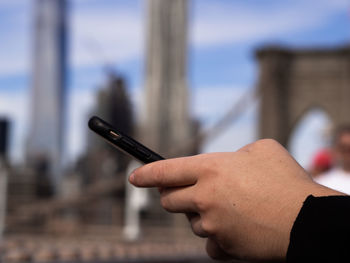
(122, 141)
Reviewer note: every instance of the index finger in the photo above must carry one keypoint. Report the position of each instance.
(167, 173)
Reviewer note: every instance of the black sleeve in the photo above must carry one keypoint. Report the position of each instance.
(321, 232)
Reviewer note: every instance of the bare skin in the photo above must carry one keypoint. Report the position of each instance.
(243, 202)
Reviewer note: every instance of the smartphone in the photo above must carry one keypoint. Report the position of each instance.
(123, 142)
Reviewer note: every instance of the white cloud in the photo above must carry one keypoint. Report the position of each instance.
(106, 35)
(13, 3)
(15, 37)
(224, 23)
(112, 33)
(15, 60)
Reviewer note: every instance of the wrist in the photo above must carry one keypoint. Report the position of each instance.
(310, 189)
(291, 211)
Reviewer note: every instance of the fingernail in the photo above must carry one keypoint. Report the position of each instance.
(132, 178)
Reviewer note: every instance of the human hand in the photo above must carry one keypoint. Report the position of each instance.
(244, 202)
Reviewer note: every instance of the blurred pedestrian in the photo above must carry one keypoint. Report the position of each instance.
(338, 177)
(322, 162)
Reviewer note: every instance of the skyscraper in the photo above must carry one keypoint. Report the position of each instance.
(167, 113)
(45, 140)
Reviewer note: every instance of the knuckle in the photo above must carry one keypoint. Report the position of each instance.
(265, 143)
(209, 164)
(157, 172)
(200, 204)
(198, 231)
(196, 226)
(165, 203)
(208, 228)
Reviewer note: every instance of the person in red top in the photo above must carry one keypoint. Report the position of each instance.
(338, 177)
(321, 162)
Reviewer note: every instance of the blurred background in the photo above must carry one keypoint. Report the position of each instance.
(183, 77)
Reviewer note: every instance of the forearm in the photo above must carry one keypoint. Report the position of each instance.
(321, 231)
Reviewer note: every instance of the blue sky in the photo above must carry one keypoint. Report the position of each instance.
(223, 36)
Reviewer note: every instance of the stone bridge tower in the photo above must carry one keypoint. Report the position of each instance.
(292, 82)
(167, 121)
(167, 124)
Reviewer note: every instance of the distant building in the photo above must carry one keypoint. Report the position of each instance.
(45, 140)
(114, 105)
(4, 130)
(4, 125)
(167, 122)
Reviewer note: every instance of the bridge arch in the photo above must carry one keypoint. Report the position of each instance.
(293, 81)
(309, 135)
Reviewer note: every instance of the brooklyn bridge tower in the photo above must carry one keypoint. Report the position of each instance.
(167, 127)
(167, 121)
